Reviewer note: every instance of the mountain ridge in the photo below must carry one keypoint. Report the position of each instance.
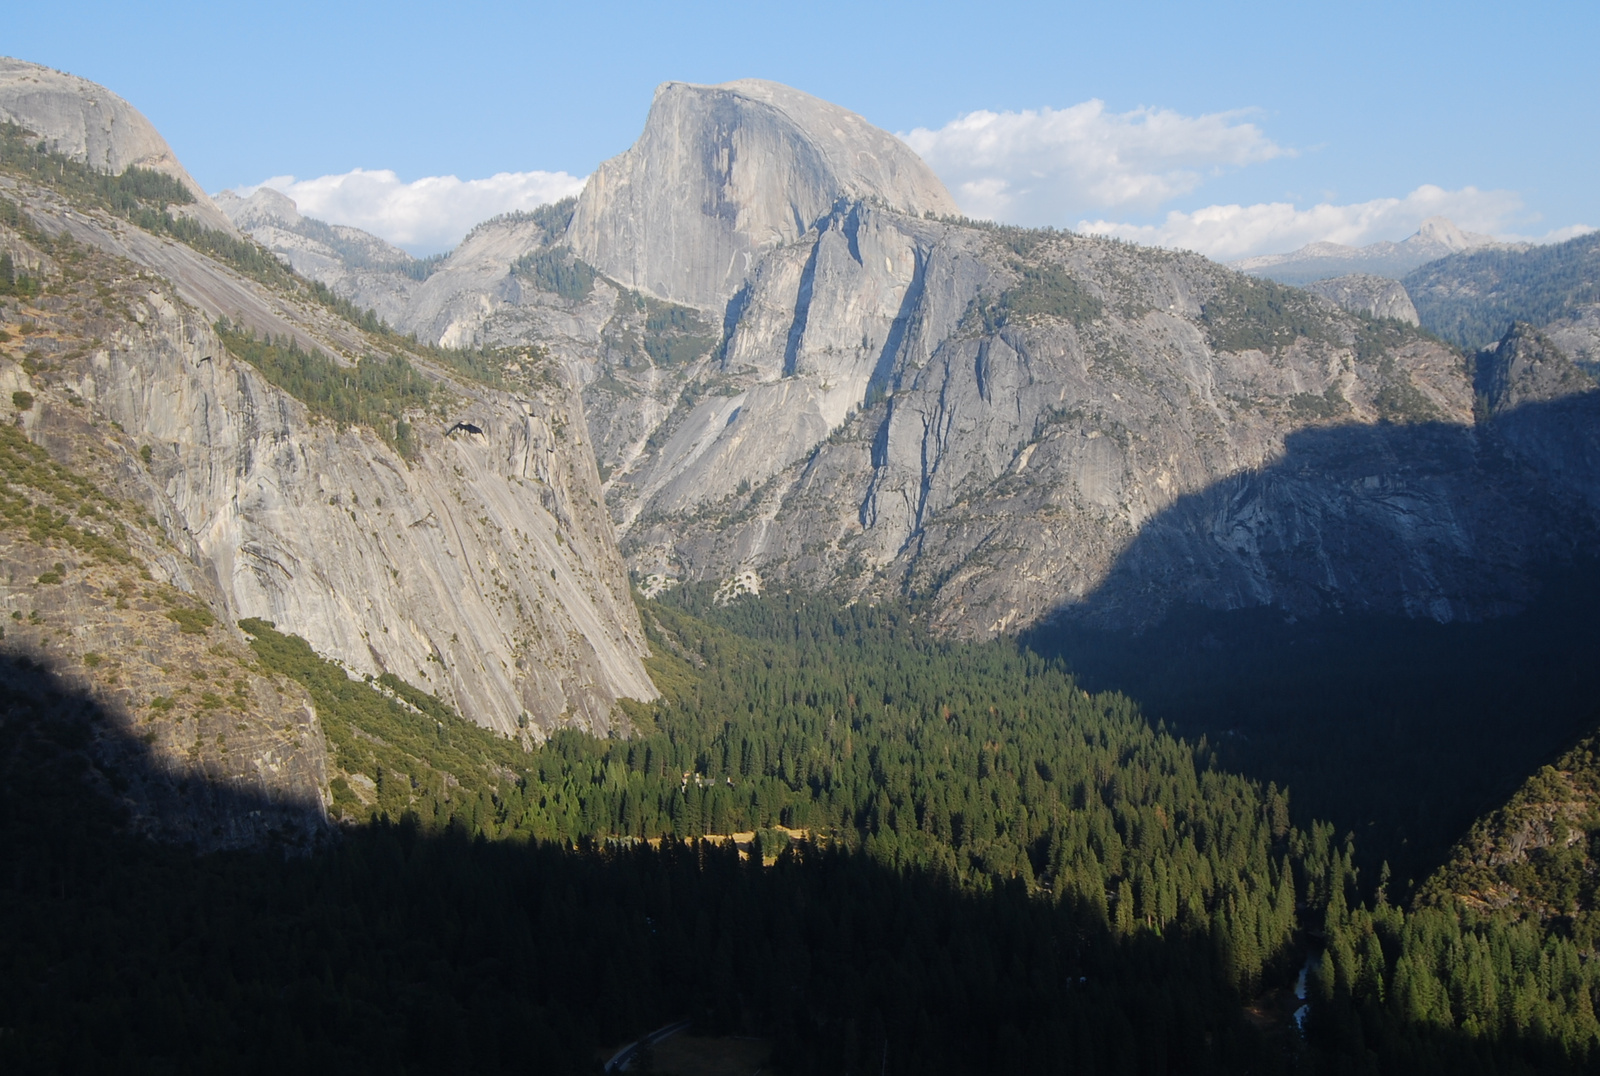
(897, 428)
(724, 173)
(1472, 298)
(88, 123)
(983, 416)
(410, 511)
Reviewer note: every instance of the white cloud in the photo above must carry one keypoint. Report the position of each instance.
(1051, 165)
(425, 215)
(1554, 235)
(1226, 232)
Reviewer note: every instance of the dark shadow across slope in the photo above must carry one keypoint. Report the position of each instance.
(392, 950)
(1376, 716)
(385, 948)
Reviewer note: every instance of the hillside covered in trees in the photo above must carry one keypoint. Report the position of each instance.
(999, 872)
(1473, 298)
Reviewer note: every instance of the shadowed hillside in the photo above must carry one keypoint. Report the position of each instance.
(392, 948)
(402, 946)
(1400, 728)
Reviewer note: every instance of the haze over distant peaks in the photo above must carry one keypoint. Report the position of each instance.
(722, 173)
(344, 258)
(89, 123)
(1436, 238)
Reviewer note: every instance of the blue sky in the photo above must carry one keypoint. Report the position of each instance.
(1148, 120)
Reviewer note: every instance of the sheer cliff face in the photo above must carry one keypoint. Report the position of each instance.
(723, 174)
(1079, 427)
(481, 567)
(1363, 293)
(91, 124)
(116, 635)
(1012, 424)
(483, 570)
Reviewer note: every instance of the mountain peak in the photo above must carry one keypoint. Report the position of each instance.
(261, 206)
(1443, 230)
(88, 123)
(722, 173)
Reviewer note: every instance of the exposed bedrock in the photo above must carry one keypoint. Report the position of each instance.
(723, 174)
(863, 392)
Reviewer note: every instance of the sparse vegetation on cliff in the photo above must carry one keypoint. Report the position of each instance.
(53, 504)
(1249, 313)
(375, 392)
(1042, 291)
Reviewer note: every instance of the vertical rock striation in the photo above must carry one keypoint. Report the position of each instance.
(1013, 424)
(480, 564)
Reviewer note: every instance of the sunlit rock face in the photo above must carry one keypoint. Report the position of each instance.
(89, 123)
(723, 174)
(862, 392)
(480, 564)
(1363, 293)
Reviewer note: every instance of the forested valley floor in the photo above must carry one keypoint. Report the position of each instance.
(1002, 872)
(1402, 731)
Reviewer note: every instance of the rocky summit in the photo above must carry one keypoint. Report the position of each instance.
(89, 124)
(724, 174)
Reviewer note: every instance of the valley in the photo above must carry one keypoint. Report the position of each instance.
(1089, 636)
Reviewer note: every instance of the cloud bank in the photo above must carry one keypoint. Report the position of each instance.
(426, 215)
(1110, 173)
(1048, 166)
(1226, 232)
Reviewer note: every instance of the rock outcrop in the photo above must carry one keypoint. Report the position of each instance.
(89, 123)
(1363, 293)
(723, 174)
(1578, 334)
(1527, 367)
(1539, 405)
(479, 564)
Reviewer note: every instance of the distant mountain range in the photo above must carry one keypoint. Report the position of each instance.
(847, 388)
(1437, 238)
(1467, 288)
